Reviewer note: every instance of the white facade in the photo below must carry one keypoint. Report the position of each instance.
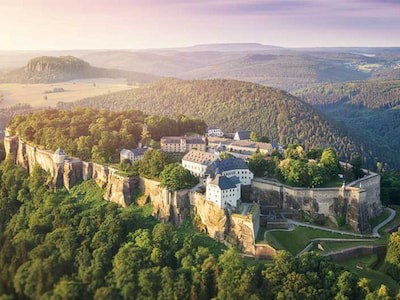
(176, 144)
(197, 162)
(197, 169)
(245, 175)
(223, 197)
(215, 132)
(132, 155)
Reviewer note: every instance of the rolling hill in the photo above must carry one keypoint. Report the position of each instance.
(370, 107)
(373, 94)
(234, 105)
(161, 62)
(286, 68)
(285, 71)
(48, 69)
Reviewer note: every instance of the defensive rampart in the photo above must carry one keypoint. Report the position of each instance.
(168, 206)
(358, 201)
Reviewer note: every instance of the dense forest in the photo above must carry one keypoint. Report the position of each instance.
(313, 168)
(98, 135)
(77, 246)
(370, 108)
(374, 94)
(235, 105)
(49, 69)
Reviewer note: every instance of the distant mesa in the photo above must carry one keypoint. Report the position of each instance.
(50, 69)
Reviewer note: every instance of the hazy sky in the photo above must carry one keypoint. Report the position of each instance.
(124, 24)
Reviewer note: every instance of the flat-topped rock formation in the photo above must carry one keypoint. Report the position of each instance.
(168, 206)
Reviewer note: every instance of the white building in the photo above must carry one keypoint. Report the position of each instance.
(214, 131)
(181, 144)
(197, 162)
(223, 191)
(132, 154)
(232, 167)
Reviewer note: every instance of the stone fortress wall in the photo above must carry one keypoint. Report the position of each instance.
(168, 206)
(359, 201)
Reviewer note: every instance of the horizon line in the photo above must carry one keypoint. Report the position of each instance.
(196, 45)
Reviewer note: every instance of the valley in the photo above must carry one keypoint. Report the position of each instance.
(42, 94)
(334, 102)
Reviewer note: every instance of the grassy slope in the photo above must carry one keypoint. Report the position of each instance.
(295, 241)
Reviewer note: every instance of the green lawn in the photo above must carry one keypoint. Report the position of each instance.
(377, 278)
(335, 246)
(260, 235)
(295, 241)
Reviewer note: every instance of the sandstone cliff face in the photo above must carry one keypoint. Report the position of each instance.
(214, 218)
(11, 147)
(242, 231)
(119, 189)
(168, 206)
(87, 170)
(72, 173)
(100, 175)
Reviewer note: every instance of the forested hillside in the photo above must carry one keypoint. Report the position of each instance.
(97, 135)
(371, 108)
(78, 246)
(288, 72)
(235, 105)
(375, 94)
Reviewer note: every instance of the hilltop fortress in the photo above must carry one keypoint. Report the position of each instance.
(168, 206)
(358, 201)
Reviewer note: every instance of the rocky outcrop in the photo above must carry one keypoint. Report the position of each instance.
(87, 170)
(168, 206)
(72, 173)
(214, 218)
(119, 189)
(67, 173)
(242, 231)
(100, 175)
(11, 147)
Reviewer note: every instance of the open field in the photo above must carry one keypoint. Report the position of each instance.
(34, 94)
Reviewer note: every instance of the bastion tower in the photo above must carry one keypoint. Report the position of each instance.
(59, 156)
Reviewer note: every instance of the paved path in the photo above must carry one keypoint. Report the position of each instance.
(327, 229)
(291, 228)
(364, 237)
(375, 230)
